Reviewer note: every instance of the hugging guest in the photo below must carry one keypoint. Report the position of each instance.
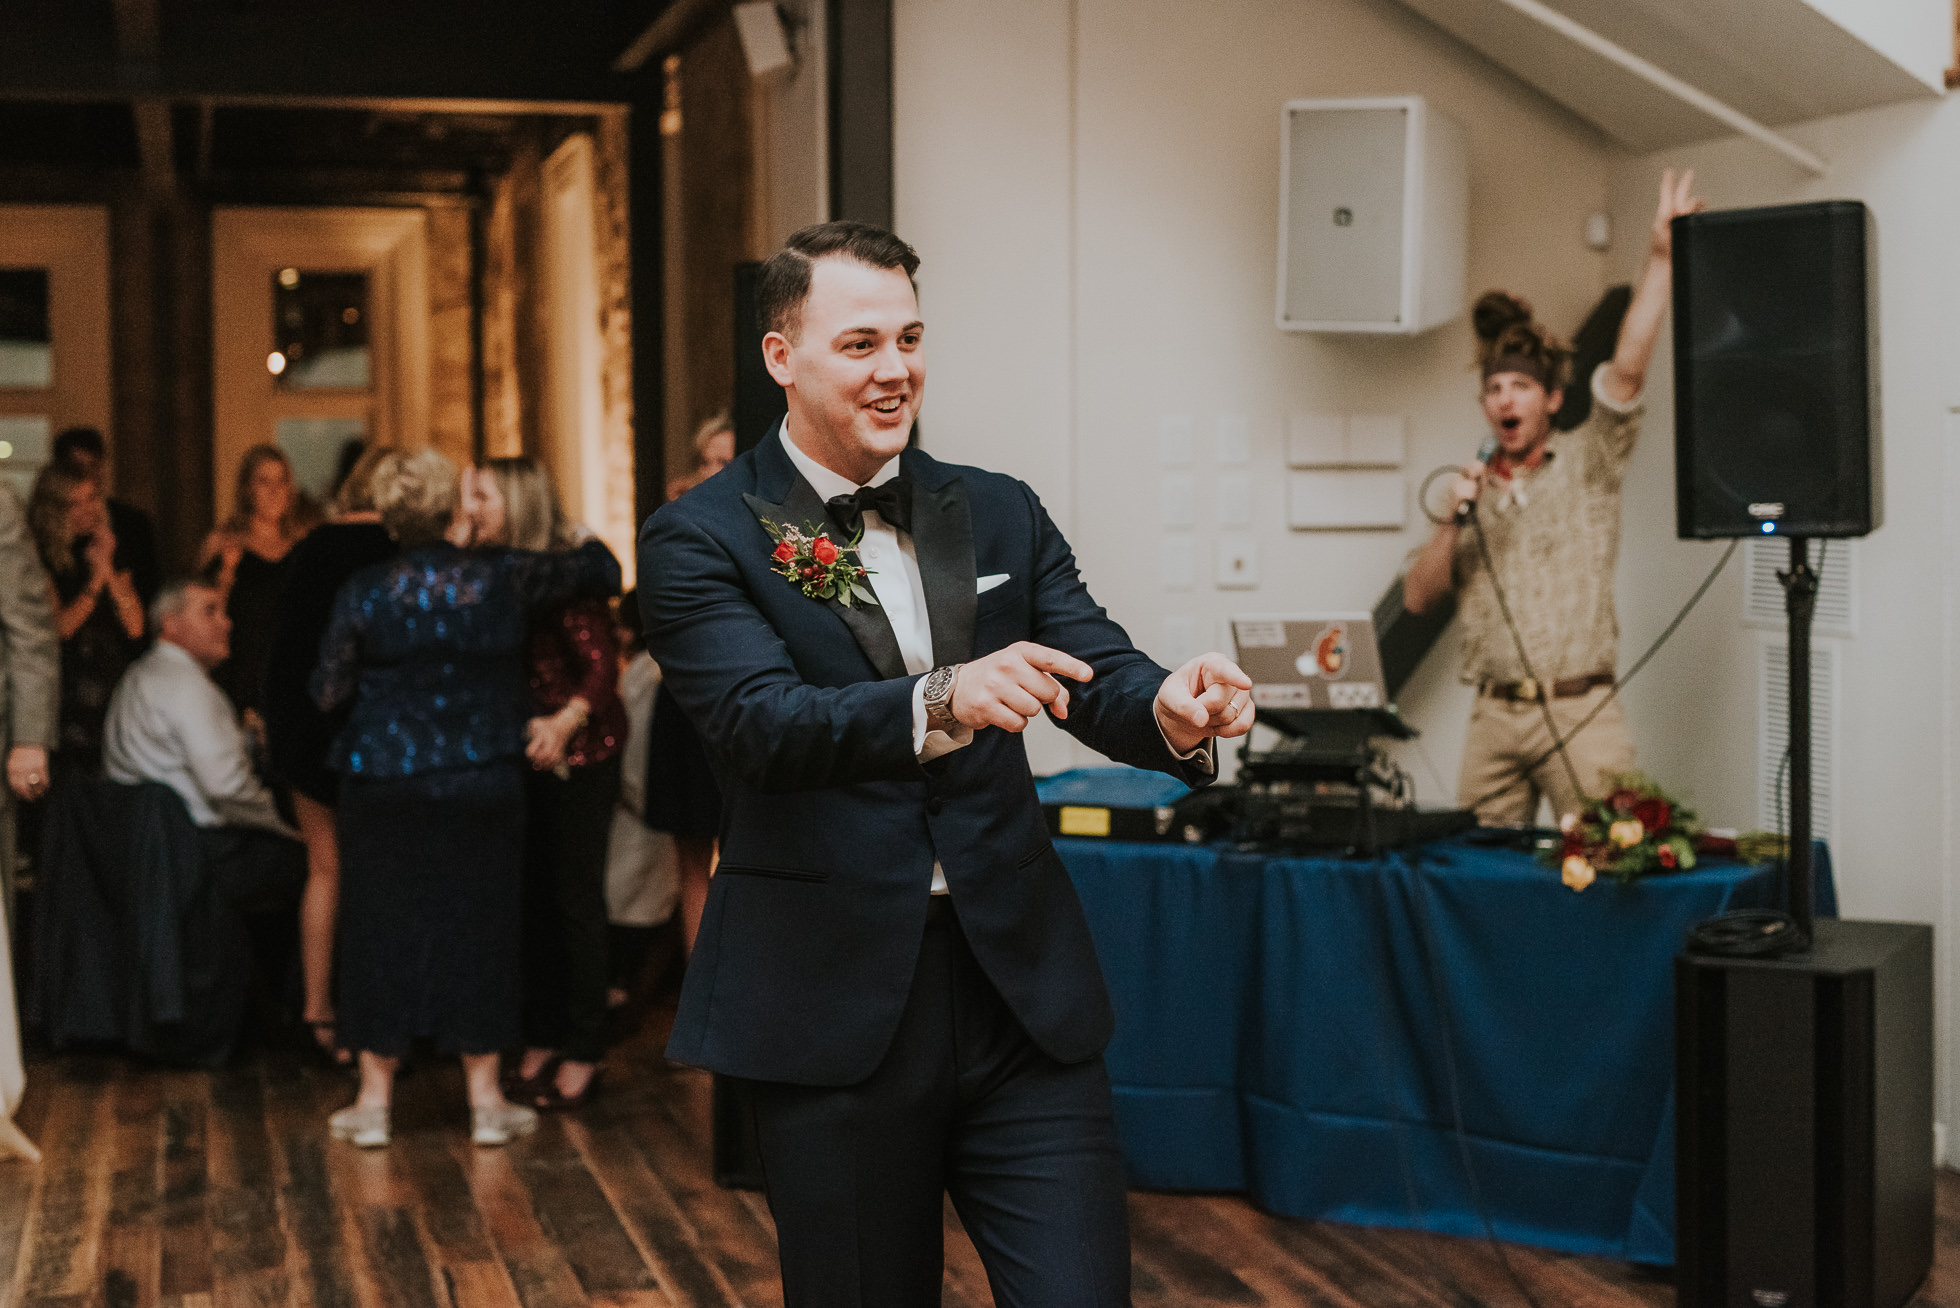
(429, 648)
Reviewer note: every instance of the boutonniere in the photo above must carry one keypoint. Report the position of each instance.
(817, 565)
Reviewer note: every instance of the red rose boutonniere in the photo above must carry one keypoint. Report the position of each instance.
(818, 566)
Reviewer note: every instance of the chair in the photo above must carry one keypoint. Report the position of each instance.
(134, 943)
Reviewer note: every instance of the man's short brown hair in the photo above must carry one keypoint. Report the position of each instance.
(783, 284)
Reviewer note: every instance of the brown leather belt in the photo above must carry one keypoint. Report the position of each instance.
(1529, 690)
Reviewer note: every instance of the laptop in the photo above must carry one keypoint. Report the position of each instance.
(1311, 660)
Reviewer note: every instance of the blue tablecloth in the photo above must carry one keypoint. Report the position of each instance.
(1308, 1030)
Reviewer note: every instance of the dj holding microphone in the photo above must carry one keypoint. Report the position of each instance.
(1547, 508)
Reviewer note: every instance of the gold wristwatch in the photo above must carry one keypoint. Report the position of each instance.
(939, 697)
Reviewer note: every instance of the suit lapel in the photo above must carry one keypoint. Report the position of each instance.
(868, 626)
(942, 540)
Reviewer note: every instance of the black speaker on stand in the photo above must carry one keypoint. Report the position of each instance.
(1804, 1059)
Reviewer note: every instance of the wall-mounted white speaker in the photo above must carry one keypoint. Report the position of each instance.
(1374, 215)
(765, 40)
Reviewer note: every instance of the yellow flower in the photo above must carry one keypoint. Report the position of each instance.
(1577, 872)
(1569, 823)
(1626, 833)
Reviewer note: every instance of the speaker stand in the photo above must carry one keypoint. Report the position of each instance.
(1800, 602)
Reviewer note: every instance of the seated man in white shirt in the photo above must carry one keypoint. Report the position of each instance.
(169, 722)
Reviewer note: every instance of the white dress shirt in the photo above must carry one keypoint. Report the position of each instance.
(894, 567)
(169, 722)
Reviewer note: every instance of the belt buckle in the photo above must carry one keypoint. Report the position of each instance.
(1528, 689)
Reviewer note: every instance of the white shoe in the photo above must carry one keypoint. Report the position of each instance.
(502, 1124)
(365, 1128)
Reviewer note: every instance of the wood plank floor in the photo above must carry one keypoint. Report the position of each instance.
(175, 1189)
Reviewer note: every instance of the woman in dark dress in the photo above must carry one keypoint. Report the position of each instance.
(246, 560)
(429, 649)
(572, 660)
(97, 612)
(299, 735)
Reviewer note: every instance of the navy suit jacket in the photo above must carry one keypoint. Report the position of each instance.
(830, 823)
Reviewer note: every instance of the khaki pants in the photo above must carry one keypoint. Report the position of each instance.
(1505, 735)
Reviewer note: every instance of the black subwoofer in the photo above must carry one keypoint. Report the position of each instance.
(1804, 1133)
(1776, 372)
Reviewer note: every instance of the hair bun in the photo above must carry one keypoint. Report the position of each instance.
(1497, 311)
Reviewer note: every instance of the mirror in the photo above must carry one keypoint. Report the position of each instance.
(26, 343)
(320, 331)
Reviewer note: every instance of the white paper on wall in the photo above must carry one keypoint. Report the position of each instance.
(1376, 440)
(1345, 500)
(1316, 440)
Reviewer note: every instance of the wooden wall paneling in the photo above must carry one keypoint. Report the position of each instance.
(571, 439)
(502, 430)
(452, 365)
(613, 216)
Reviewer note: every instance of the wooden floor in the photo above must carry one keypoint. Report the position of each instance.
(172, 1189)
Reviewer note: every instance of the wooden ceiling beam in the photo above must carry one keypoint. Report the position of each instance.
(678, 24)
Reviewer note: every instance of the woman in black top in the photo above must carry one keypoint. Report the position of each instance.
(428, 647)
(246, 560)
(299, 735)
(97, 612)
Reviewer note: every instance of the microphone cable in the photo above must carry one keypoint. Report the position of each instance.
(1524, 660)
(1667, 633)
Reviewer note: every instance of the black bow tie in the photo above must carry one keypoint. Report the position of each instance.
(891, 501)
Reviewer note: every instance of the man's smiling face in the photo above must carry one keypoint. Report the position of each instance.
(856, 373)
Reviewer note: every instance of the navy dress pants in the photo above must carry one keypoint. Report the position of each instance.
(963, 1104)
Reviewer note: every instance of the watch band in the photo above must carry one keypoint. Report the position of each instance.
(939, 685)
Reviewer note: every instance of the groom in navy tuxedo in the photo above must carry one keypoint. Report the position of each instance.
(892, 953)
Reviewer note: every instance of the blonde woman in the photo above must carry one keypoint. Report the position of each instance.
(245, 559)
(97, 612)
(572, 661)
(427, 648)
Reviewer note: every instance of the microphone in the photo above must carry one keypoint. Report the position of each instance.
(1485, 453)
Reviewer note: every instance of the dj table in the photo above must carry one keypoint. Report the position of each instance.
(1314, 1031)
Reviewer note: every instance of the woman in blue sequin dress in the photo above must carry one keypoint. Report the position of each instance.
(429, 648)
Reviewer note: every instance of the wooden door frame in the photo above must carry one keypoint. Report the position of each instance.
(249, 245)
(72, 242)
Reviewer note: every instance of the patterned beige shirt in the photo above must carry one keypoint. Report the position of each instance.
(1554, 537)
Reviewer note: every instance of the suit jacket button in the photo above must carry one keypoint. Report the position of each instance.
(935, 804)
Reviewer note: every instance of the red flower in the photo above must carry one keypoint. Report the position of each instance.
(825, 550)
(1623, 801)
(785, 551)
(1654, 814)
(1668, 857)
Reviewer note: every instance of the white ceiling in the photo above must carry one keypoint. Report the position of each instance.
(1778, 61)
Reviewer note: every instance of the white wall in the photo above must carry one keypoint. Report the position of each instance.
(1917, 35)
(1093, 187)
(1694, 712)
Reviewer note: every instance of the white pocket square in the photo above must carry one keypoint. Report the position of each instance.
(987, 583)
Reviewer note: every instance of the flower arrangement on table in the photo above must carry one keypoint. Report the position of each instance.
(1636, 830)
(817, 565)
